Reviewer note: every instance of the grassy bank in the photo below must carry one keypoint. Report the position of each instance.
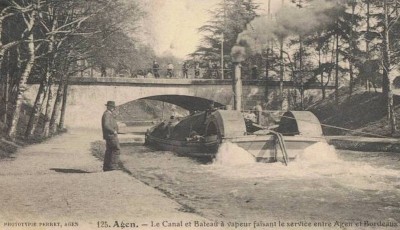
(7, 148)
(364, 113)
(98, 149)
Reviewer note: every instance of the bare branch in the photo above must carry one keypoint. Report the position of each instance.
(10, 45)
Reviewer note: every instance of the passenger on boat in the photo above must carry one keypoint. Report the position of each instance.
(194, 136)
(258, 112)
(250, 117)
(211, 108)
(160, 130)
(170, 126)
(208, 112)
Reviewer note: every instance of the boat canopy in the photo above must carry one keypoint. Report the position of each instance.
(302, 123)
(226, 123)
(189, 126)
(190, 103)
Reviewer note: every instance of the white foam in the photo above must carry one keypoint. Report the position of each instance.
(318, 161)
(318, 153)
(231, 154)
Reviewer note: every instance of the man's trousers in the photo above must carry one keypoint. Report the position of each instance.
(111, 157)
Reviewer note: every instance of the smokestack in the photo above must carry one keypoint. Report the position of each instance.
(237, 53)
(237, 87)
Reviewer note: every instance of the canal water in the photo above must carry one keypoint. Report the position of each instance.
(324, 187)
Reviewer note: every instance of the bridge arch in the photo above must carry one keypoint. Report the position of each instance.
(190, 103)
(86, 103)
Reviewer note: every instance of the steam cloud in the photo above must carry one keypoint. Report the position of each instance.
(289, 20)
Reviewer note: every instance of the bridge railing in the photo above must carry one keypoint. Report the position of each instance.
(202, 73)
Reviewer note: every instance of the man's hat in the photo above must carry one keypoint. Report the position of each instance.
(110, 103)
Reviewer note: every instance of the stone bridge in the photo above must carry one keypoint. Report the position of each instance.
(87, 96)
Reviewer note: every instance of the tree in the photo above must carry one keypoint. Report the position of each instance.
(296, 26)
(110, 43)
(229, 19)
(71, 29)
(9, 10)
(386, 48)
(29, 19)
(387, 80)
(46, 40)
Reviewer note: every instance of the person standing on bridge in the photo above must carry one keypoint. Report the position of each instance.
(156, 67)
(185, 70)
(197, 70)
(110, 135)
(170, 70)
(254, 72)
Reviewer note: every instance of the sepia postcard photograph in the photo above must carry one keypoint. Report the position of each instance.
(200, 114)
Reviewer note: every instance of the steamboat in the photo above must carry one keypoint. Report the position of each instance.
(200, 134)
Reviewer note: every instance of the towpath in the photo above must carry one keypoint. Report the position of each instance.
(59, 181)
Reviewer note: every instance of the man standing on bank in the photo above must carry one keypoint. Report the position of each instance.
(110, 134)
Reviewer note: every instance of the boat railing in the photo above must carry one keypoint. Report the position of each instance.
(282, 145)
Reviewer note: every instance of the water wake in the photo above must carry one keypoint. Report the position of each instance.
(230, 154)
(318, 161)
(318, 153)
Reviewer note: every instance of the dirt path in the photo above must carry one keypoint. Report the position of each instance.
(60, 181)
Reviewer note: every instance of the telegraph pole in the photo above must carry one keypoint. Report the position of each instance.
(301, 71)
(222, 45)
(222, 56)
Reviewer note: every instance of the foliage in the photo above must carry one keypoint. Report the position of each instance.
(229, 20)
(48, 40)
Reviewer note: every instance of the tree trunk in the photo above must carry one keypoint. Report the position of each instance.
(3, 83)
(322, 75)
(12, 132)
(367, 42)
(351, 59)
(6, 81)
(267, 64)
(266, 76)
(386, 81)
(337, 71)
(49, 80)
(6, 90)
(64, 106)
(301, 74)
(281, 66)
(48, 108)
(56, 108)
(35, 110)
(351, 79)
(41, 109)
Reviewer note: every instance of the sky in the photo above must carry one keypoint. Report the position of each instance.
(171, 25)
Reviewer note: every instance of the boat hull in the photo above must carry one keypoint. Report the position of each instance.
(266, 149)
(196, 149)
(263, 148)
(201, 134)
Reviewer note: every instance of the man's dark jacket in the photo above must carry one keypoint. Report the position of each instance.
(109, 125)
